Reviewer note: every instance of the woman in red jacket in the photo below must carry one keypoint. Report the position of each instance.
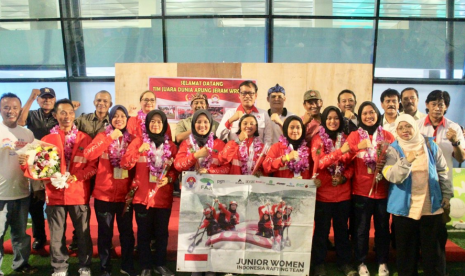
(364, 146)
(289, 158)
(200, 151)
(264, 224)
(112, 185)
(243, 153)
(154, 197)
(136, 124)
(333, 196)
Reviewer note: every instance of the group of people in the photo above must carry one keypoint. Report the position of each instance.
(364, 165)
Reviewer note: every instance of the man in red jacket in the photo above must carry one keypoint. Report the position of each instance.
(73, 200)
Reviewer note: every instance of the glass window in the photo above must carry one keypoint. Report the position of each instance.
(112, 8)
(23, 90)
(14, 9)
(107, 42)
(459, 49)
(411, 49)
(84, 92)
(459, 9)
(218, 7)
(323, 40)
(413, 8)
(216, 40)
(324, 7)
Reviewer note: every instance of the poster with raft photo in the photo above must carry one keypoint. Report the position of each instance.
(246, 225)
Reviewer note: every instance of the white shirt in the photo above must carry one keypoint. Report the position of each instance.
(391, 127)
(441, 139)
(418, 115)
(13, 184)
(263, 120)
(276, 129)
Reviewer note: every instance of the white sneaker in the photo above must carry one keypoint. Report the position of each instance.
(383, 270)
(84, 271)
(63, 273)
(363, 270)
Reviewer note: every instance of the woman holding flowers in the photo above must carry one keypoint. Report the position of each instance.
(243, 153)
(151, 154)
(333, 196)
(289, 158)
(200, 151)
(369, 188)
(111, 187)
(419, 189)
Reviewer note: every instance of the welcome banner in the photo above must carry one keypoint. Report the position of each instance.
(244, 224)
(174, 95)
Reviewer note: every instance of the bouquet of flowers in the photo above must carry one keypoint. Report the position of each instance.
(381, 150)
(260, 159)
(43, 160)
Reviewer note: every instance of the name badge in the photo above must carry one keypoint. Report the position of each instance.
(119, 173)
(153, 178)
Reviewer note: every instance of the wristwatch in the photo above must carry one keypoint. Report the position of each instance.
(456, 144)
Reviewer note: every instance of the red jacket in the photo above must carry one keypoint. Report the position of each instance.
(106, 187)
(273, 163)
(134, 127)
(230, 154)
(164, 196)
(327, 192)
(261, 212)
(185, 160)
(78, 192)
(362, 181)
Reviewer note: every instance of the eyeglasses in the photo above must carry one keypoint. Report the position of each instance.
(244, 94)
(149, 100)
(406, 127)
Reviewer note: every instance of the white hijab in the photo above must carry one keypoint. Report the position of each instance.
(417, 141)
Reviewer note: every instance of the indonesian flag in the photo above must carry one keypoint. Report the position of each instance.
(195, 260)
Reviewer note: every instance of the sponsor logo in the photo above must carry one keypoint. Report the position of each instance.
(239, 182)
(191, 182)
(208, 184)
(250, 181)
(280, 183)
(300, 185)
(215, 99)
(221, 181)
(290, 184)
(259, 182)
(306, 186)
(270, 183)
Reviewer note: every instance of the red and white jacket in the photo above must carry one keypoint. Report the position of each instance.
(164, 196)
(261, 212)
(230, 154)
(362, 180)
(273, 163)
(78, 192)
(327, 192)
(185, 160)
(106, 187)
(134, 127)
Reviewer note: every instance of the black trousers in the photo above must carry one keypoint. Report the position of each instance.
(152, 222)
(36, 209)
(407, 230)
(106, 213)
(338, 213)
(364, 209)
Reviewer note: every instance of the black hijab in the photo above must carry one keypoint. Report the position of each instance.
(159, 138)
(369, 129)
(332, 134)
(201, 139)
(113, 113)
(294, 143)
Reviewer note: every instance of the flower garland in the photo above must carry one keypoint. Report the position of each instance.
(116, 150)
(247, 156)
(156, 158)
(141, 116)
(370, 156)
(336, 168)
(296, 166)
(206, 162)
(70, 140)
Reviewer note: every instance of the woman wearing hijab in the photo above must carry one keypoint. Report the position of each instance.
(333, 196)
(289, 158)
(243, 153)
(151, 155)
(112, 185)
(200, 151)
(419, 188)
(363, 145)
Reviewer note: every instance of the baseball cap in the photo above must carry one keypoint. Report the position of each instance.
(47, 92)
(199, 96)
(312, 95)
(276, 88)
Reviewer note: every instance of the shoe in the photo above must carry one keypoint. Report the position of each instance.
(229, 274)
(330, 246)
(152, 245)
(105, 273)
(348, 270)
(383, 270)
(85, 271)
(27, 269)
(163, 270)
(210, 273)
(63, 273)
(146, 272)
(196, 274)
(129, 272)
(363, 270)
(320, 270)
(73, 246)
(38, 244)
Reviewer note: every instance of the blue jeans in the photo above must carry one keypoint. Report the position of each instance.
(14, 213)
